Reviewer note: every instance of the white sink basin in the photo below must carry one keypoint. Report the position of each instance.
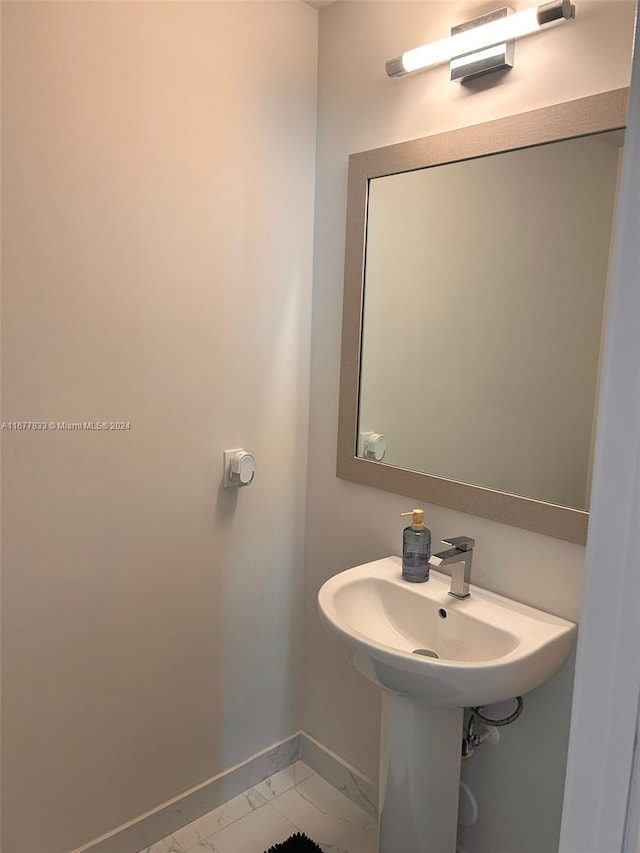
(489, 648)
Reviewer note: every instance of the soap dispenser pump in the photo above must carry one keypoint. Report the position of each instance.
(416, 548)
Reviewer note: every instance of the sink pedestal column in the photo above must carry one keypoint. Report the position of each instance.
(419, 775)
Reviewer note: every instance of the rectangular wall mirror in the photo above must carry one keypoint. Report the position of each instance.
(475, 289)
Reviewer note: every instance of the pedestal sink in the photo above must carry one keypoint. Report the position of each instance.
(434, 655)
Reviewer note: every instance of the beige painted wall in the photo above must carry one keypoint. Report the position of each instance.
(519, 782)
(158, 164)
(157, 171)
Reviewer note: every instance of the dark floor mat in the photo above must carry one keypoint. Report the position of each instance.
(298, 843)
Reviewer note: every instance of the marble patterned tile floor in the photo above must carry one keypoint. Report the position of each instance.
(294, 800)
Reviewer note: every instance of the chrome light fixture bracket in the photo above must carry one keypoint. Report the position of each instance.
(483, 44)
(498, 57)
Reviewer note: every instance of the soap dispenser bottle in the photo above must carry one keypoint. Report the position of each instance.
(416, 548)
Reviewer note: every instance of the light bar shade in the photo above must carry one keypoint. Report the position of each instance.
(495, 32)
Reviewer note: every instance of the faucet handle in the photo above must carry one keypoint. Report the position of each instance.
(462, 543)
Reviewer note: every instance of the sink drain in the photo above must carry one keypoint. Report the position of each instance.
(428, 653)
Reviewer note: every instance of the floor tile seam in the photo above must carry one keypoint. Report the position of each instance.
(230, 823)
(226, 826)
(308, 767)
(176, 847)
(325, 814)
(180, 848)
(292, 785)
(282, 814)
(256, 808)
(288, 790)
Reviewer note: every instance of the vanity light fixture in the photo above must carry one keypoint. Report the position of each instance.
(483, 44)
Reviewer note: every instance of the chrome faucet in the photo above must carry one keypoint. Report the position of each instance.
(459, 558)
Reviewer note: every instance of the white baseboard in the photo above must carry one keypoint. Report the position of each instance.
(176, 813)
(339, 773)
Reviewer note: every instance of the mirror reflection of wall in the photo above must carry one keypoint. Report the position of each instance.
(484, 298)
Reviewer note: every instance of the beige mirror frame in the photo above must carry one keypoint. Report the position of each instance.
(594, 114)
